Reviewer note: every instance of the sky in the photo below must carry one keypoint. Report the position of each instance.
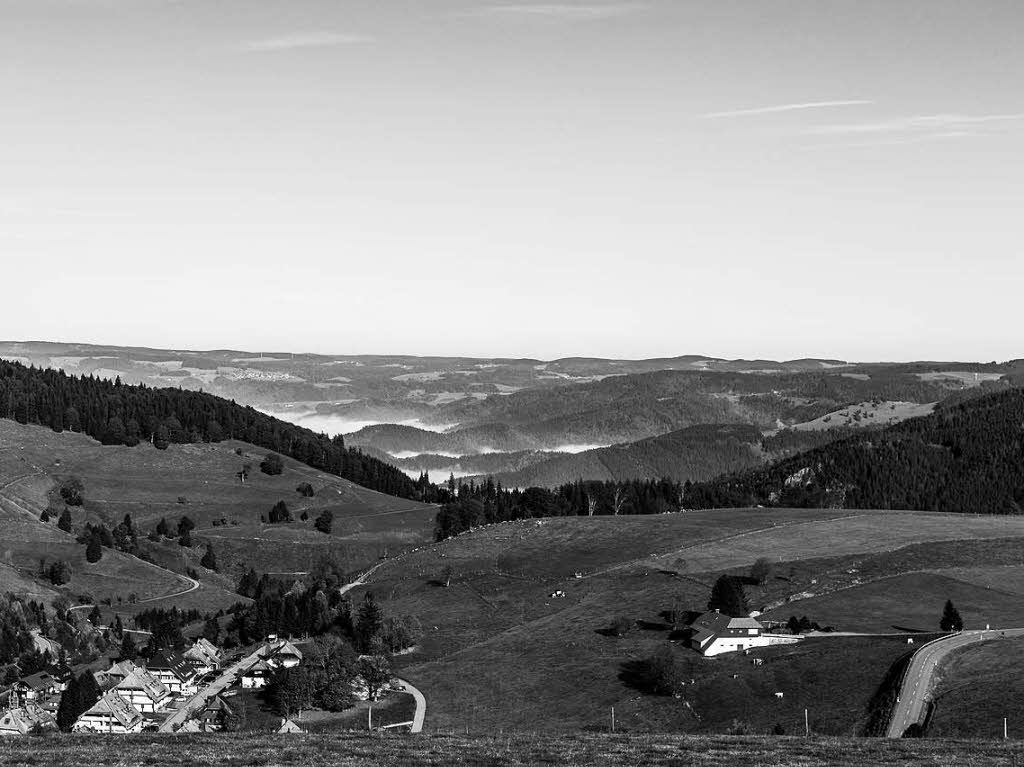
(738, 178)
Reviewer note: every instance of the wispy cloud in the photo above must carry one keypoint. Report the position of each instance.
(779, 108)
(302, 40)
(938, 125)
(557, 11)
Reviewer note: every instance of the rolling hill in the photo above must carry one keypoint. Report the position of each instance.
(504, 649)
(195, 480)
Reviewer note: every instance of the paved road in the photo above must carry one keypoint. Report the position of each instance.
(918, 681)
(421, 705)
(198, 702)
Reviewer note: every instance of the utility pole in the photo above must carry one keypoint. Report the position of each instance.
(369, 718)
(807, 724)
(613, 718)
(1004, 728)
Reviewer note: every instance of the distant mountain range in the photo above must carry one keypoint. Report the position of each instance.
(545, 422)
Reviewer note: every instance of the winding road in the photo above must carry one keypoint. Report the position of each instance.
(919, 677)
(421, 705)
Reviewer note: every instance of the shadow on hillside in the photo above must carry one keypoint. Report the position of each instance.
(640, 675)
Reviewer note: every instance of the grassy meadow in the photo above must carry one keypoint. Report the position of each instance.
(196, 480)
(500, 651)
(500, 751)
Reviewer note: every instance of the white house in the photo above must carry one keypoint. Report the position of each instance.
(24, 719)
(142, 691)
(110, 714)
(714, 633)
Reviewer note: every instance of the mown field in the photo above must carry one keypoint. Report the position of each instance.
(500, 751)
(500, 651)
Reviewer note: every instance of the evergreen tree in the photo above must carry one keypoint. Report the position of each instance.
(280, 513)
(209, 560)
(163, 529)
(93, 549)
(79, 697)
(951, 620)
(129, 651)
(64, 523)
(728, 597)
(369, 620)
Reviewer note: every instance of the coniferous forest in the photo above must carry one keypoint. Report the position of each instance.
(118, 414)
(967, 456)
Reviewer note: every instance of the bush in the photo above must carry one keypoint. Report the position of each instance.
(71, 491)
(305, 490)
(280, 513)
(272, 464)
(324, 521)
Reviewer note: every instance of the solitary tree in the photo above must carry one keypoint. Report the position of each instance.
(727, 596)
(324, 521)
(760, 570)
(272, 464)
(64, 522)
(951, 620)
(93, 549)
(209, 560)
(71, 491)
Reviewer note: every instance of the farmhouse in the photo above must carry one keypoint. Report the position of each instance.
(142, 691)
(110, 714)
(714, 633)
(178, 674)
(204, 654)
(257, 675)
(25, 720)
(110, 678)
(283, 655)
(36, 686)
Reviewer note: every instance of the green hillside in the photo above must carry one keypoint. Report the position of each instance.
(196, 480)
(502, 650)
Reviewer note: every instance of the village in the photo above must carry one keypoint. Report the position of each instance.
(187, 691)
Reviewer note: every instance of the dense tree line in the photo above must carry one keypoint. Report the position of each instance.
(119, 414)
(315, 607)
(967, 456)
(475, 505)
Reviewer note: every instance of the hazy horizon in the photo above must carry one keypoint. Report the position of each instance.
(768, 179)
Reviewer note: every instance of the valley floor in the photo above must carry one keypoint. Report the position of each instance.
(515, 751)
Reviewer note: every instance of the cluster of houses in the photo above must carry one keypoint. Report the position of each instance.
(131, 691)
(30, 705)
(137, 696)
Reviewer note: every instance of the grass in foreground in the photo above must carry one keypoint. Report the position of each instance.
(455, 751)
(978, 687)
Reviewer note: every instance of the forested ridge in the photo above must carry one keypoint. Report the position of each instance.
(119, 414)
(965, 457)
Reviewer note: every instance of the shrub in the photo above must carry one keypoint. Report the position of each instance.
(272, 464)
(324, 521)
(305, 490)
(280, 513)
(71, 491)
